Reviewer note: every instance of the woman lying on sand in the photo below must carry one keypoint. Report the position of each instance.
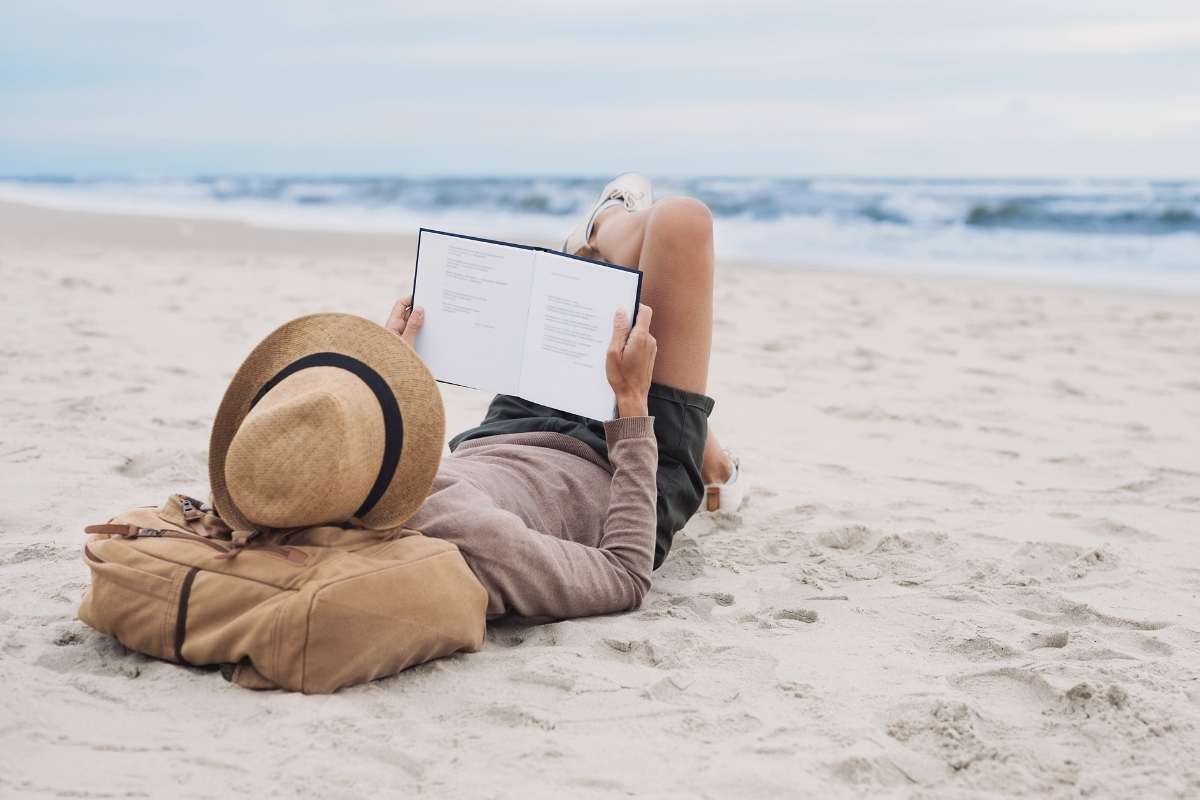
(557, 514)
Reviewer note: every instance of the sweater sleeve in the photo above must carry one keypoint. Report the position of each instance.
(534, 575)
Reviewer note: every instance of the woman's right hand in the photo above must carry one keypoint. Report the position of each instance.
(630, 362)
(405, 320)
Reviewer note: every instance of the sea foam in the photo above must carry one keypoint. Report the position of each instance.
(1103, 232)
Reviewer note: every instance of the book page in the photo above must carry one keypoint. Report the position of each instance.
(570, 325)
(476, 300)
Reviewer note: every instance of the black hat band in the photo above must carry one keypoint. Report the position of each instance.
(393, 422)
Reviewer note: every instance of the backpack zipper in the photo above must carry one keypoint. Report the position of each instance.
(155, 533)
(289, 554)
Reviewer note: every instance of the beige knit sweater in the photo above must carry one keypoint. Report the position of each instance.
(550, 528)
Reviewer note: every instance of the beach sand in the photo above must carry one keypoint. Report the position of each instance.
(968, 565)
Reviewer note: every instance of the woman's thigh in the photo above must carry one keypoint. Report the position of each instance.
(677, 264)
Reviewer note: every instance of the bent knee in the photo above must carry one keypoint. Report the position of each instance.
(684, 217)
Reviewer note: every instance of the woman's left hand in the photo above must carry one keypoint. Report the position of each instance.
(405, 319)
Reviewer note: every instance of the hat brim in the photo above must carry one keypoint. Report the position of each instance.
(406, 376)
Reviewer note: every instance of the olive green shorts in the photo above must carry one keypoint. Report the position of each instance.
(680, 426)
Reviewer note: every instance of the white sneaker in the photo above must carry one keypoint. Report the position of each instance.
(727, 496)
(629, 190)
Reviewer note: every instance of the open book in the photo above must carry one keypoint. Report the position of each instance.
(520, 320)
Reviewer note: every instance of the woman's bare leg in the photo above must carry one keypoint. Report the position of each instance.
(672, 244)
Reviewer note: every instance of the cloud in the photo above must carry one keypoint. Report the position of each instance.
(497, 86)
(1128, 37)
(734, 50)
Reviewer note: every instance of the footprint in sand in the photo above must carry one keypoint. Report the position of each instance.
(870, 772)
(686, 561)
(676, 649)
(1054, 609)
(949, 731)
(1111, 527)
(1144, 645)
(851, 537)
(1011, 694)
(511, 716)
(1015, 695)
(892, 553)
(554, 676)
(68, 637)
(1053, 639)
(782, 618)
(1055, 562)
(982, 648)
(910, 542)
(702, 605)
(796, 688)
(1154, 647)
(1114, 712)
(100, 655)
(40, 552)
(796, 614)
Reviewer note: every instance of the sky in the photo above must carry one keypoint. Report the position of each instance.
(1008, 88)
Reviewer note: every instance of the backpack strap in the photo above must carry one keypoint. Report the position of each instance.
(241, 539)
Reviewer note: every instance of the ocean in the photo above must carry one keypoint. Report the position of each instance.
(1135, 233)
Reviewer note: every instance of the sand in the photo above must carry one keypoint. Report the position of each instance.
(968, 565)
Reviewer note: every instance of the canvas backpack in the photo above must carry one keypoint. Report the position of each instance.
(310, 610)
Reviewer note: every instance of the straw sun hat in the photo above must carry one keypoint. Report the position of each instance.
(331, 418)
